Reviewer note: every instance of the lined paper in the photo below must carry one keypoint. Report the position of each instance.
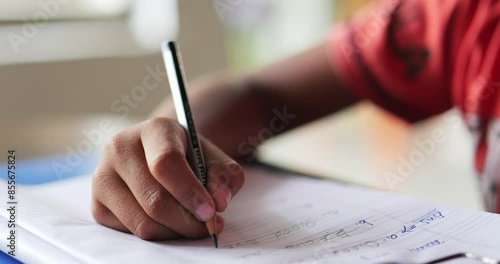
(276, 218)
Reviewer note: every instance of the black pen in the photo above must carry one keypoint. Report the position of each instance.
(176, 77)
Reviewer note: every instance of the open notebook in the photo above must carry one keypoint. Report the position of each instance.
(276, 218)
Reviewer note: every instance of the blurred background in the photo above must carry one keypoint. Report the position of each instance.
(77, 56)
(67, 65)
(69, 60)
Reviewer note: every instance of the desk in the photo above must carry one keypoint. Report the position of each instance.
(363, 145)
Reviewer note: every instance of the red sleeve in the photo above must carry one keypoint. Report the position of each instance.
(395, 55)
(418, 58)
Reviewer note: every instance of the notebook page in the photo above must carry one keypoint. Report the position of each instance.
(276, 218)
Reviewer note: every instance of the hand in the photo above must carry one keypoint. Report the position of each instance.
(144, 184)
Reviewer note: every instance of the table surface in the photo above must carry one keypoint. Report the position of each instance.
(367, 146)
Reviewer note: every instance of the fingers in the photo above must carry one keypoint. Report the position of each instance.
(225, 176)
(104, 216)
(145, 185)
(154, 199)
(165, 144)
(220, 224)
(111, 192)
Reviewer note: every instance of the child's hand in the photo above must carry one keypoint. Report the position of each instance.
(145, 185)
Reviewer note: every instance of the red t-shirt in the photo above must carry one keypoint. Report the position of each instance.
(418, 58)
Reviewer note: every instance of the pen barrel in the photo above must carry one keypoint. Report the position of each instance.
(177, 81)
(197, 163)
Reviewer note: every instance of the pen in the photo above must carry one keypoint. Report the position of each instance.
(176, 77)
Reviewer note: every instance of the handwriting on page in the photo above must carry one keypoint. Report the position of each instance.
(285, 232)
(334, 238)
(373, 242)
(277, 220)
(295, 225)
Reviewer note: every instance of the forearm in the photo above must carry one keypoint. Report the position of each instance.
(233, 111)
(225, 110)
(305, 84)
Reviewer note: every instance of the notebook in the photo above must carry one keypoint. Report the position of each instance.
(278, 217)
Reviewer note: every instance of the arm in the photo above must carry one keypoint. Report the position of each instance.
(144, 184)
(305, 85)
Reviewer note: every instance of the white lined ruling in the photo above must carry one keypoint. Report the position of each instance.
(276, 218)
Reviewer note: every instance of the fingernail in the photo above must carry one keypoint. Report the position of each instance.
(220, 227)
(223, 198)
(220, 224)
(221, 202)
(205, 211)
(227, 197)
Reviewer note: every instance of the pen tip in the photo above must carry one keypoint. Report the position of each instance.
(214, 238)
